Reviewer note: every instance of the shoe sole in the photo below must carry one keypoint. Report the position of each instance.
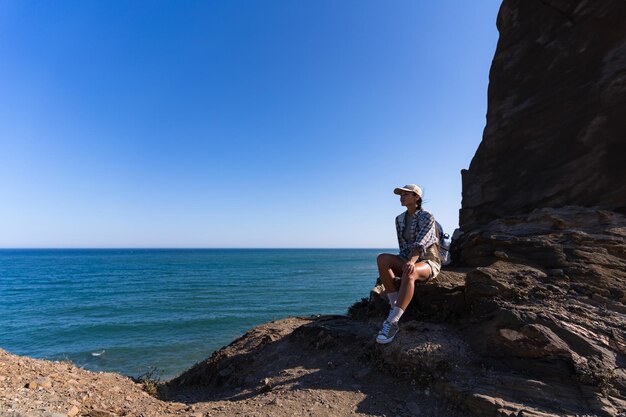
(385, 341)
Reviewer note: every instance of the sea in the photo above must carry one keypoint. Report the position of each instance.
(159, 311)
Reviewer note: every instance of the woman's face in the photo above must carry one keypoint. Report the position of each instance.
(408, 199)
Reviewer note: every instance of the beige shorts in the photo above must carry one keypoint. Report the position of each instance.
(435, 268)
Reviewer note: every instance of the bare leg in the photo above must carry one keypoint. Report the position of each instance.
(388, 267)
(407, 286)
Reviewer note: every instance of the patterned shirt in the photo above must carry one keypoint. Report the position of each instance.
(422, 232)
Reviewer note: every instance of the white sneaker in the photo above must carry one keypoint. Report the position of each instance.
(388, 332)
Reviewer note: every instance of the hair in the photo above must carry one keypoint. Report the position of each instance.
(419, 202)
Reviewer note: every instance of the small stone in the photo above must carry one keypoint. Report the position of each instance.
(511, 335)
(73, 411)
(45, 383)
(267, 385)
(32, 385)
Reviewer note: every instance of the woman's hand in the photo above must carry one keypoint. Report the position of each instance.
(408, 268)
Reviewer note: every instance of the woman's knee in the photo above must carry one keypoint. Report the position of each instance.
(421, 272)
(384, 259)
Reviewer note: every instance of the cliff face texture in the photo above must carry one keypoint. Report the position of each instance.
(556, 124)
(544, 243)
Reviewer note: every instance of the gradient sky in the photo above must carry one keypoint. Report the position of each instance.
(235, 123)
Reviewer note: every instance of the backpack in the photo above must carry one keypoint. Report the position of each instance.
(444, 245)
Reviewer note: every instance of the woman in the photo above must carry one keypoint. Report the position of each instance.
(418, 260)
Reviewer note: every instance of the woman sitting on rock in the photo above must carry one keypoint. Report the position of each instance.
(418, 259)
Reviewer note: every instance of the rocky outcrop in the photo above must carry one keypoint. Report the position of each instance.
(540, 323)
(546, 301)
(326, 366)
(556, 131)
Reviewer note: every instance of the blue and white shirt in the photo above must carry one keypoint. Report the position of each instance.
(422, 234)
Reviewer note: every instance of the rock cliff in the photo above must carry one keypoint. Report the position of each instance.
(555, 132)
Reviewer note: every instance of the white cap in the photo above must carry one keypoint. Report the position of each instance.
(412, 188)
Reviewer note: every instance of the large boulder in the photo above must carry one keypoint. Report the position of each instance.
(556, 131)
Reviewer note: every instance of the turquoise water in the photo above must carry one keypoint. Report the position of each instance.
(130, 310)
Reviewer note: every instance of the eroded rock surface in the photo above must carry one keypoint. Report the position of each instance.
(555, 132)
(546, 299)
(541, 320)
(326, 366)
(544, 243)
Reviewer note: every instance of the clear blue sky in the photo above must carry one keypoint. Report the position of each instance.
(235, 123)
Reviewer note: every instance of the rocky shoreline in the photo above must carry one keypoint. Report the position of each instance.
(530, 320)
(323, 366)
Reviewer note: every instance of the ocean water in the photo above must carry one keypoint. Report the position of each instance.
(130, 311)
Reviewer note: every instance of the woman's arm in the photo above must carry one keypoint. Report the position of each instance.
(426, 234)
(416, 253)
